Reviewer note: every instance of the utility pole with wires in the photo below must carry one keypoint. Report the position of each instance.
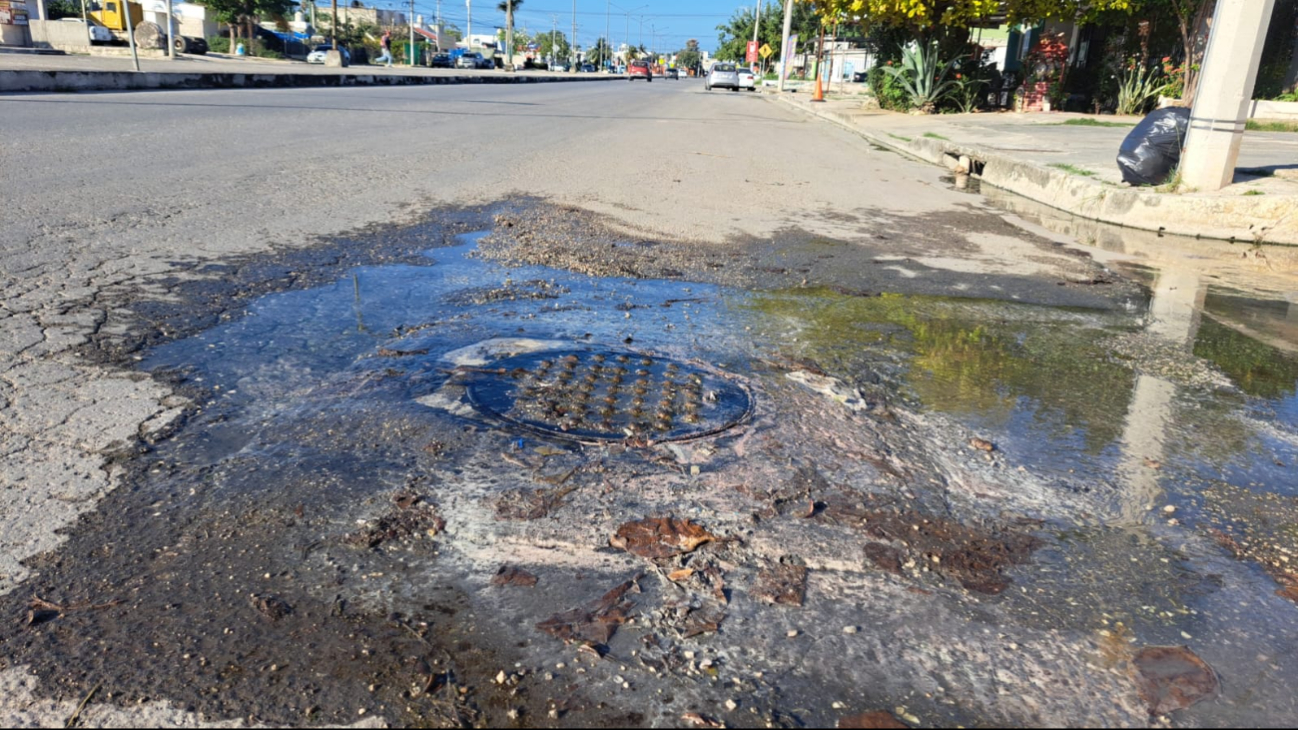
(784, 42)
(468, 33)
(438, 25)
(607, 5)
(572, 39)
(509, 35)
(412, 33)
(554, 32)
(757, 21)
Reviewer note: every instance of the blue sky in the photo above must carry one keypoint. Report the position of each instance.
(671, 21)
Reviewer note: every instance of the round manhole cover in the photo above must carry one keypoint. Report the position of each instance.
(607, 396)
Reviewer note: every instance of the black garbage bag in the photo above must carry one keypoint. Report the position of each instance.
(1153, 149)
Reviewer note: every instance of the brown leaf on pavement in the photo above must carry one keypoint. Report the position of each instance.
(784, 583)
(1172, 678)
(508, 575)
(596, 622)
(695, 718)
(703, 620)
(871, 721)
(660, 537)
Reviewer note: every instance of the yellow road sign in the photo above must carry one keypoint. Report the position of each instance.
(766, 50)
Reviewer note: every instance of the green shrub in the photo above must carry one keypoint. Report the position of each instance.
(887, 90)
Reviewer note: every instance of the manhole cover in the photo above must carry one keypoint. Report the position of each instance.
(607, 396)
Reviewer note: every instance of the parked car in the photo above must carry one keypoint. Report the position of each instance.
(441, 60)
(473, 60)
(672, 73)
(639, 70)
(747, 79)
(318, 55)
(722, 76)
(588, 68)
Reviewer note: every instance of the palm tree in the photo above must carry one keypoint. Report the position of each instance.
(508, 7)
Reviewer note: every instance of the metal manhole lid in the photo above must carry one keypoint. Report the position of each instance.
(608, 396)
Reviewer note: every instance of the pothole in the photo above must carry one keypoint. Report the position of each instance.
(608, 395)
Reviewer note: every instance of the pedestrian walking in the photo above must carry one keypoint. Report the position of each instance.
(386, 43)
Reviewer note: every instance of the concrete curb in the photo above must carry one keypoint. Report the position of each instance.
(20, 81)
(1269, 219)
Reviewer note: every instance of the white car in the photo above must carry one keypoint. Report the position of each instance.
(747, 79)
(96, 33)
(318, 55)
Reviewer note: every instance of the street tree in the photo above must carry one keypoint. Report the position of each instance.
(927, 16)
(600, 53)
(552, 45)
(689, 56)
(734, 34)
(245, 12)
(508, 7)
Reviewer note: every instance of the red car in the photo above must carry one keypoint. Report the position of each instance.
(637, 69)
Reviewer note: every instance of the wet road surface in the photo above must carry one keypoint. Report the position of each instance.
(984, 479)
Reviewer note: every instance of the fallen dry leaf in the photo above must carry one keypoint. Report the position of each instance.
(695, 718)
(660, 537)
(871, 721)
(508, 575)
(596, 622)
(1172, 678)
(679, 575)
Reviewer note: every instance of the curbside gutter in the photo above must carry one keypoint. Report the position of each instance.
(61, 81)
(1268, 219)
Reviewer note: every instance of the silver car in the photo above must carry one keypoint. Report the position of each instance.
(722, 76)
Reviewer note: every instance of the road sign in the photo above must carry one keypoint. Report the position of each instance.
(752, 52)
(766, 50)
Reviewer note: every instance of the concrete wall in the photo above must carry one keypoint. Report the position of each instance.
(1260, 109)
(14, 35)
(65, 35)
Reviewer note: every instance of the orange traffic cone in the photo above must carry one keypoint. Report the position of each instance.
(820, 92)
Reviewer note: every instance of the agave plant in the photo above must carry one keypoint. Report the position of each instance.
(923, 76)
(1137, 86)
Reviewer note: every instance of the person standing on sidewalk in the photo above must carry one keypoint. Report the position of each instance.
(386, 43)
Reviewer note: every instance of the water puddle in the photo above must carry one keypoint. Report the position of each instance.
(1057, 487)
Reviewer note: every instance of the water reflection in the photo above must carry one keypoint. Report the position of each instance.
(1173, 319)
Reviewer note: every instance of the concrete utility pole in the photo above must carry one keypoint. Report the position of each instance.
(437, 24)
(468, 33)
(333, 28)
(607, 6)
(784, 42)
(509, 35)
(757, 20)
(171, 33)
(1225, 89)
(572, 39)
(412, 33)
(130, 34)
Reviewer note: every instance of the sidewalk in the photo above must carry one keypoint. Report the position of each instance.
(1073, 168)
(22, 72)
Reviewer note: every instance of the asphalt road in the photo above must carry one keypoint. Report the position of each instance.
(113, 198)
